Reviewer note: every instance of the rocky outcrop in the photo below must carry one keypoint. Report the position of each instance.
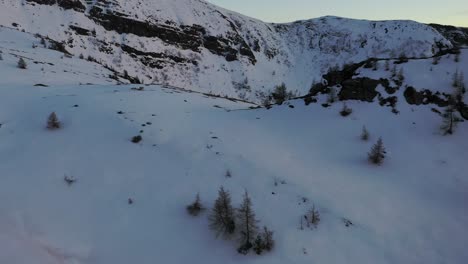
(185, 37)
(65, 4)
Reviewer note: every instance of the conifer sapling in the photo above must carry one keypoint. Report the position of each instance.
(377, 153)
(53, 122)
(222, 217)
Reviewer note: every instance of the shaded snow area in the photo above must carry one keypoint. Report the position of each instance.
(411, 209)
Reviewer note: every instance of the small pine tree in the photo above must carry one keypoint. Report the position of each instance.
(81, 56)
(1, 57)
(457, 57)
(435, 60)
(387, 65)
(450, 118)
(364, 134)
(53, 122)
(455, 79)
(332, 97)
(394, 71)
(375, 66)
(258, 245)
(312, 217)
(400, 75)
(346, 111)
(247, 224)
(222, 217)
(267, 236)
(377, 153)
(43, 42)
(196, 207)
(22, 64)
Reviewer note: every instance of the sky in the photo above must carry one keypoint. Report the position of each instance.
(449, 12)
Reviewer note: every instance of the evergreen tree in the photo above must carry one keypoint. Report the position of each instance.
(22, 64)
(222, 217)
(455, 79)
(346, 111)
(332, 97)
(1, 57)
(364, 134)
(450, 118)
(267, 236)
(280, 94)
(377, 153)
(387, 65)
(258, 245)
(312, 217)
(52, 121)
(247, 224)
(196, 207)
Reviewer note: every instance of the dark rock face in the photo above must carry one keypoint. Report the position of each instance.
(425, 97)
(362, 89)
(65, 4)
(458, 36)
(81, 31)
(153, 59)
(185, 37)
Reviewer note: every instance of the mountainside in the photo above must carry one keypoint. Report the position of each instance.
(196, 45)
(126, 203)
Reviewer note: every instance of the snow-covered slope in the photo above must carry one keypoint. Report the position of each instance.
(196, 45)
(412, 209)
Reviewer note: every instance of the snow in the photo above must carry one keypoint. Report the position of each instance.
(412, 209)
(303, 50)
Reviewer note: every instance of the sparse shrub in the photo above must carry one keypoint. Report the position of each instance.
(1, 57)
(69, 179)
(222, 217)
(377, 153)
(81, 56)
(280, 94)
(457, 57)
(196, 207)
(22, 64)
(247, 225)
(375, 66)
(53, 122)
(137, 139)
(435, 60)
(364, 134)
(43, 42)
(228, 174)
(312, 218)
(346, 111)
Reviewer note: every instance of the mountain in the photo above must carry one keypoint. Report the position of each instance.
(196, 45)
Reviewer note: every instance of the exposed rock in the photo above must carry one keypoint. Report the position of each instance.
(65, 4)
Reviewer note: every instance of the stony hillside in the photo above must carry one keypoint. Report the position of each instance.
(197, 45)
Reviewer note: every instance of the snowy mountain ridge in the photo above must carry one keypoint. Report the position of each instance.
(196, 45)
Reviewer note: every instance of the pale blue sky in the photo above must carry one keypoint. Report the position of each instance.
(453, 12)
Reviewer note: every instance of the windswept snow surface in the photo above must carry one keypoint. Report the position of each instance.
(412, 209)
